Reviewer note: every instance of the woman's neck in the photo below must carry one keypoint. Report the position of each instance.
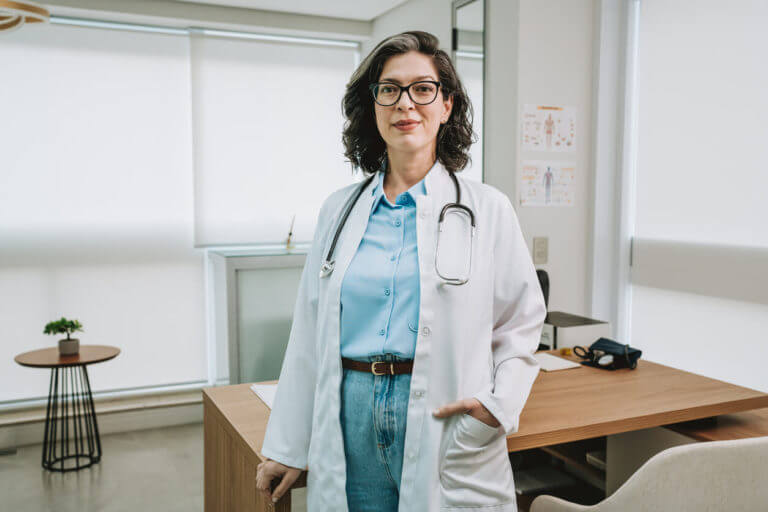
(405, 170)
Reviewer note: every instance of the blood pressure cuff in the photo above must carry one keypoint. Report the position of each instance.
(624, 356)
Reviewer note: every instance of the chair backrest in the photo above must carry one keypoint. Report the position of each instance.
(544, 282)
(698, 477)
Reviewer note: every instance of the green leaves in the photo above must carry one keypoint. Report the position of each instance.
(63, 326)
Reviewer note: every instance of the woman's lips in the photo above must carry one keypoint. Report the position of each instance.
(407, 127)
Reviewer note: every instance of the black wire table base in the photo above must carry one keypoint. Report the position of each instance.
(71, 440)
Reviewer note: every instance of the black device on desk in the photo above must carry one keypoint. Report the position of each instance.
(608, 354)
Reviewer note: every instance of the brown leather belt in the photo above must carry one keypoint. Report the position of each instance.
(378, 367)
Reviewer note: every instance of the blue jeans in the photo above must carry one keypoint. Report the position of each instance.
(373, 418)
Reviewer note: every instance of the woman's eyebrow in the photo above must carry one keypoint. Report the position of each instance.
(415, 79)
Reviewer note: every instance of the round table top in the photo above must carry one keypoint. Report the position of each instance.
(50, 358)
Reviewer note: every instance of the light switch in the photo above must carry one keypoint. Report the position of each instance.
(540, 249)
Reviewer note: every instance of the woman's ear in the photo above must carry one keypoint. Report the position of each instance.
(448, 108)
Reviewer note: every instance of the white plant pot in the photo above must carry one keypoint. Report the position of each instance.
(69, 347)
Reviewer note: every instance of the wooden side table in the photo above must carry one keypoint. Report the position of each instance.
(70, 415)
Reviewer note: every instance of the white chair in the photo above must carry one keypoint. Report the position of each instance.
(715, 476)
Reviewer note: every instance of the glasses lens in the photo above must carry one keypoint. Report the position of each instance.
(423, 92)
(386, 94)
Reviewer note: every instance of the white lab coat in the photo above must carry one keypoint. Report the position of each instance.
(474, 340)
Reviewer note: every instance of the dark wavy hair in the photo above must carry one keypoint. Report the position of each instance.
(363, 144)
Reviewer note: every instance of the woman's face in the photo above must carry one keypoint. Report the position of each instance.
(404, 69)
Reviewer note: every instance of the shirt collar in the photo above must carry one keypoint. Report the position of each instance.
(417, 189)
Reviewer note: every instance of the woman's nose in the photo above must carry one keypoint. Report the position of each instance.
(404, 103)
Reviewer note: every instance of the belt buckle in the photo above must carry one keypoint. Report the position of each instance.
(373, 368)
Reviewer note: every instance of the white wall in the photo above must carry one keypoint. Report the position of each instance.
(555, 68)
(433, 16)
(96, 206)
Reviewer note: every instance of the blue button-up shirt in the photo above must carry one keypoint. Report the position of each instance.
(380, 292)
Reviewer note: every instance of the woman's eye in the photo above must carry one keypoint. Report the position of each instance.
(387, 89)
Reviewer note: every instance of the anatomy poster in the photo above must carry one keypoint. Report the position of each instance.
(547, 128)
(546, 183)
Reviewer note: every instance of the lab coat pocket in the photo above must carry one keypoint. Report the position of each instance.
(475, 471)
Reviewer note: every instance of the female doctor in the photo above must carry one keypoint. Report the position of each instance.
(410, 356)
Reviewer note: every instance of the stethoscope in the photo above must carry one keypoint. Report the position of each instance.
(328, 265)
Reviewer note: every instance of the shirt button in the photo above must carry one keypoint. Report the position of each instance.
(381, 332)
(425, 331)
(418, 393)
(392, 258)
(397, 222)
(386, 291)
(412, 454)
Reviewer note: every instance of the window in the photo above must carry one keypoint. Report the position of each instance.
(268, 123)
(700, 244)
(96, 205)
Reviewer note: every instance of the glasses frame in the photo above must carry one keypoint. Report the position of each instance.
(405, 88)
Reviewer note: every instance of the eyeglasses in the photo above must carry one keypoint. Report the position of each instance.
(387, 94)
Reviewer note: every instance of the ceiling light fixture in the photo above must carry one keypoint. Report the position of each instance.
(14, 14)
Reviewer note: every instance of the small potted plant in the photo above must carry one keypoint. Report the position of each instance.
(68, 346)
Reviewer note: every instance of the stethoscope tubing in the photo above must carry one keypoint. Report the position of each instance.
(328, 264)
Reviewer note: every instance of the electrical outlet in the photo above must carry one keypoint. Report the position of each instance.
(540, 250)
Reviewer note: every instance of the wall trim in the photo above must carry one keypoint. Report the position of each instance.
(25, 427)
(727, 271)
(138, 392)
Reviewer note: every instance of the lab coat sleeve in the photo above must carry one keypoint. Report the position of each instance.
(289, 427)
(518, 315)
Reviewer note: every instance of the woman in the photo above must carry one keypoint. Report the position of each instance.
(425, 428)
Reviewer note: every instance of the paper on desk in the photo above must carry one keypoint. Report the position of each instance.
(266, 392)
(550, 363)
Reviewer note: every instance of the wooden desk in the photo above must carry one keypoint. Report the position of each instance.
(563, 406)
(585, 402)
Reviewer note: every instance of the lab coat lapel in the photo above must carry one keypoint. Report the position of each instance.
(353, 232)
(440, 191)
(348, 242)
(439, 187)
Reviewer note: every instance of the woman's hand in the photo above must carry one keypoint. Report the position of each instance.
(471, 406)
(269, 470)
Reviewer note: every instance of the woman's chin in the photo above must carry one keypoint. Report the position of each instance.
(406, 143)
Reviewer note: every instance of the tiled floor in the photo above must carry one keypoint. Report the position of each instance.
(143, 471)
